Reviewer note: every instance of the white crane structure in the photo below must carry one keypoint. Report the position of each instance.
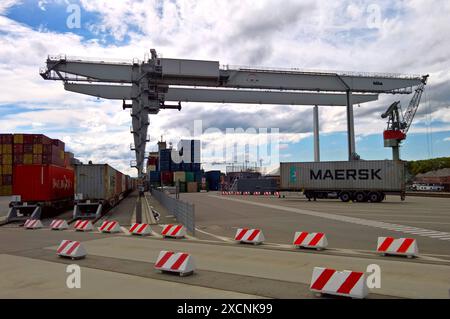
(151, 83)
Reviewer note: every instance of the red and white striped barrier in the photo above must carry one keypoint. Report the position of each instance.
(246, 193)
(181, 263)
(110, 226)
(257, 193)
(251, 236)
(267, 194)
(71, 249)
(310, 240)
(341, 283)
(276, 194)
(59, 224)
(402, 246)
(83, 225)
(140, 229)
(33, 224)
(174, 231)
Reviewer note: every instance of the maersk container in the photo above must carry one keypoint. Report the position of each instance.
(97, 182)
(43, 183)
(352, 178)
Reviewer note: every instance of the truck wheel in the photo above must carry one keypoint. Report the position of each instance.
(360, 197)
(374, 197)
(345, 197)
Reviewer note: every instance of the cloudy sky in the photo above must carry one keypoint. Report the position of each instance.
(411, 37)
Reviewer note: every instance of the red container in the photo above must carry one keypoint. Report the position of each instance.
(28, 138)
(39, 183)
(59, 144)
(6, 138)
(18, 159)
(167, 177)
(18, 149)
(27, 148)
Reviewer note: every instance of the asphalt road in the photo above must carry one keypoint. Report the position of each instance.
(121, 265)
(281, 218)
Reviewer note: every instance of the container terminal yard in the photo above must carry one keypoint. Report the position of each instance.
(171, 225)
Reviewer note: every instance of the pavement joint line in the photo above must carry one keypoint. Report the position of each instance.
(337, 217)
(225, 239)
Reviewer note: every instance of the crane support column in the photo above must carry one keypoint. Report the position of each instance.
(316, 134)
(350, 127)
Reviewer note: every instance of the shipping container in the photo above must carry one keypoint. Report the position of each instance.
(6, 139)
(43, 183)
(190, 177)
(347, 180)
(213, 179)
(155, 176)
(18, 138)
(97, 182)
(192, 187)
(179, 176)
(167, 178)
(256, 185)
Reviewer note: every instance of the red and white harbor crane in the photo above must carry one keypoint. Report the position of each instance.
(399, 122)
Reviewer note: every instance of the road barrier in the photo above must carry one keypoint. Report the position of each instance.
(250, 236)
(181, 263)
(33, 224)
(402, 246)
(341, 283)
(83, 225)
(59, 224)
(183, 212)
(310, 240)
(174, 231)
(71, 249)
(140, 229)
(110, 226)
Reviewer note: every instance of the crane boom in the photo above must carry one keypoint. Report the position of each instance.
(398, 122)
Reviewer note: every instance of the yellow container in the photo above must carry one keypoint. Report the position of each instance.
(61, 155)
(7, 159)
(5, 190)
(7, 169)
(6, 149)
(28, 159)
(37, 149)
(18, 138)
(179, 176)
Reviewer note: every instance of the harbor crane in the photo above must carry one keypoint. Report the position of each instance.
(152, 83)
(399, 123)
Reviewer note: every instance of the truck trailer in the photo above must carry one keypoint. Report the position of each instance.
(359, 181)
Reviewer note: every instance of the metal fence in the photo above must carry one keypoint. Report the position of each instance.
(183, 212)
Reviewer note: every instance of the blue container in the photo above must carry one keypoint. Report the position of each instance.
(196, 167)
(187, 167)
(198, 176)
(213, 179)
(155, 176)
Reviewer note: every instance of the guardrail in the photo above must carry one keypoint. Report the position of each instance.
(183, 211)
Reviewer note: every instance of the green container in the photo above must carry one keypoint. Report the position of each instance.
(182, 187)
(190, 177)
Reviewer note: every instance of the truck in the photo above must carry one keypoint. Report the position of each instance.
(40, 191)
(359, 181)
(98, 187)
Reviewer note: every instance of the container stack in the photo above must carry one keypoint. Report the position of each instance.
(162, 168)
(18, 150)
(6, 164)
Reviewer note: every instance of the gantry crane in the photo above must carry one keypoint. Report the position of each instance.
(399, 123)
(151, 83)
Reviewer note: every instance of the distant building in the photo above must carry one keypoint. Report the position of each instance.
(440, 177)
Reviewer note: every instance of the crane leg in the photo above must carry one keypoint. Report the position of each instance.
(316, 134)
(350, 127)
